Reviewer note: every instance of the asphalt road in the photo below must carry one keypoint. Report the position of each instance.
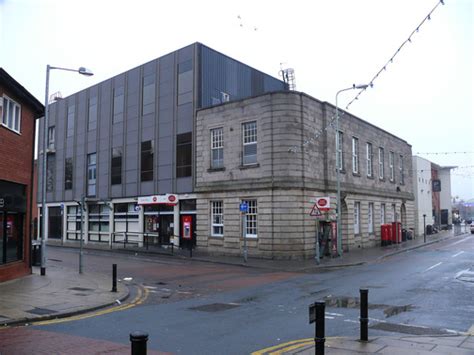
(201, 308)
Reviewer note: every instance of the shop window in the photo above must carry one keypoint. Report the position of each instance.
(73, 226)
(126, 218)
(98, 223)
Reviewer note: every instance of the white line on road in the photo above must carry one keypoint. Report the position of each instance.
(457, 254)
(460, 273)
(432, 267)
(328, 317)
(350, 321)
(335, 314)
(459, 241)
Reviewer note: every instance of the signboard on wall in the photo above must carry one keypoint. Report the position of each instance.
(436, 185)
(167, 199)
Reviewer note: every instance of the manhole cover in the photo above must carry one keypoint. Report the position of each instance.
(41, 311)
(215, 307)
(80, 289)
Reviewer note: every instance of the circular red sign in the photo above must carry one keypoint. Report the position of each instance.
(154, 199)
(322, 202)
(171, 198)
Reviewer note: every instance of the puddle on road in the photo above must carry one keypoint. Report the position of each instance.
(353, 302)
(394, 310)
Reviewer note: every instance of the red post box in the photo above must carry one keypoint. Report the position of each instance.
(396, 232)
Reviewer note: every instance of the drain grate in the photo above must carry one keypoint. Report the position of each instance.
(80, 289)
(41, 311)
(215, 307)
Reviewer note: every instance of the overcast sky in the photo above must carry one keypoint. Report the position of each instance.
(424, 97)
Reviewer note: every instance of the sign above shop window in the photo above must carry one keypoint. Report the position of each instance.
(167, 199)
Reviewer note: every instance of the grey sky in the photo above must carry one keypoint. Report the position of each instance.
(425, 96)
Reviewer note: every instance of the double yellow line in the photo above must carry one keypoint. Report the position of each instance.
(285, 347)
(141, 296)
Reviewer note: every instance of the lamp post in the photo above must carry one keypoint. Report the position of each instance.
(82, 71)
(338, 169)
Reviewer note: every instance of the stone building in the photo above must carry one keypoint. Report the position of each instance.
(245, 153)
(125, 147)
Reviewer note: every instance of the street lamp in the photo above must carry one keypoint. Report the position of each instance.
(338, 169)
(82, 71)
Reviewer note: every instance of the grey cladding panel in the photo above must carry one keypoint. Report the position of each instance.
(150, 67)
(185, 118)
(186, 53)
(165, 186)
(165, 172)
(184, 184)
(131, 190)
(133, 80)
(165, 129)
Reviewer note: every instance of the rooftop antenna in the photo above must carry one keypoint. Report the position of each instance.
(288, 75)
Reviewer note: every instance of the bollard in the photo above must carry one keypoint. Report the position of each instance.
(364, 314)
(138, 340)
(319, 327)
(114, 278)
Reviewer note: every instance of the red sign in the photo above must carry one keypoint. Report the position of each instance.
(323, 203)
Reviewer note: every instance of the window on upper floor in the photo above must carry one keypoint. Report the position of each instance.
(184, 157)
(117, 115)
(148, 99)
(10, 114)
(355, 155)
(116, 166)
(400, 167)
(51, 136)
(71, 110)
(340, 151)
(381, 163)
(249, 137)
(147, 161)
(68, 170)
(92, 119)
(91, 174)
(391, 162)
(369, 159)
(217, 148)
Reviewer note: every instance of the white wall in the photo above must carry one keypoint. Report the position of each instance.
(422, 192)
(445, 194)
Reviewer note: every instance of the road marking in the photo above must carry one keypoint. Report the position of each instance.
(350, 321)
(459, 241)
(142, 295)
(280, 347)
(328, 317)
(460, 273)
(432, 267)
(457, 254)
(335, 314)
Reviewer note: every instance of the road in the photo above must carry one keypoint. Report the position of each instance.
(202, 308)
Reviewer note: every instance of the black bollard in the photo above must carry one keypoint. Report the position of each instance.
(138, 340)
(114, 277)
(319, 330)
(364, 314)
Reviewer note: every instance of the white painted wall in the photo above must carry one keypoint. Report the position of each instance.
(445, 194)
(422, 192)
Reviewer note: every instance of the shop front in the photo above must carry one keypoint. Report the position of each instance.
(13, 237)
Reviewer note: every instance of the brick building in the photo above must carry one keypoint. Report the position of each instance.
(18, 112)
(244, 154)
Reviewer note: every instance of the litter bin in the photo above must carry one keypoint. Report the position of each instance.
(36, 253)
(404, 235)
(429, 229)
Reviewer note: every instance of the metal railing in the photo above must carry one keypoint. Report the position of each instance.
(137, 238)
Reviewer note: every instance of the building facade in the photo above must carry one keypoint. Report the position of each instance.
(124, 148)
(432, 189)
(274, 154)
(18, 112)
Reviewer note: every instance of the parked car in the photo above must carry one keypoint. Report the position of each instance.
(472, 227)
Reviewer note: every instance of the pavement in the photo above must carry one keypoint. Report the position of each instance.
(64, 292)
